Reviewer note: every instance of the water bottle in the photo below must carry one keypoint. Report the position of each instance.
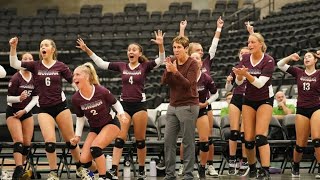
(153, 169)
(109, 162)
(126, 168)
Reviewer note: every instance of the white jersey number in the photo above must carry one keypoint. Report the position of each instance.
(131, 80)
(306, 86)
(47, 81)
(94, 112)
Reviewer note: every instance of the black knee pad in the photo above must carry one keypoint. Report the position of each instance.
(96, 152)
(261, 140)
(87, 165)
(234, 135)
(18, 147)
(70, 146)
(249, 144)
(210, 141)
(299, 149)
(204, 146)
(50, 147)
(316, 143)
(119, 143)
(26, 150)
(141, 144)
(242, 137)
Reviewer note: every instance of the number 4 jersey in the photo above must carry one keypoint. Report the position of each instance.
(49, 81)
(133, 79)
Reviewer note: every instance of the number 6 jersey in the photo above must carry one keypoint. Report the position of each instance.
(49, 81)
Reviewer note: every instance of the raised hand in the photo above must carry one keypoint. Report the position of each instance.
(13, 42)
(220, 22)
(81, 45)
(250, 28)
(295, 57)
(183, 24)
(229, 78)
(159, 37)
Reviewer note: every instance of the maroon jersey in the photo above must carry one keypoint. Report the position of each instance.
(133, 80)
(17, 85)
(206, 65)
(238, 89)
(308, 87)
(49, 81)
(264, 67)
(97, 108)
(204, 86)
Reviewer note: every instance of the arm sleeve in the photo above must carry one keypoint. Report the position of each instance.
(99, 61)
(13, 99)
(228, 86)
(79, 125)
(15, 63)
(159, 61)
(3, 72)
(282, 65)
(213, 97)
(213, 47)
(118, 107)
(260, 82)
(239, 82)
(32, 103)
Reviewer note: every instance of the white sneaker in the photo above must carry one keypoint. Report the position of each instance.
(317, 176)
(52, 176)
(181, 170)
(5, 175)
(85, 174)
(211, 171)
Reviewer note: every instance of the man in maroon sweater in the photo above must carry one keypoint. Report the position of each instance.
(181, 77)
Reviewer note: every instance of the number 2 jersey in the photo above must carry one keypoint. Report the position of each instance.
(96, 108)
(49, 81)
(17, 85)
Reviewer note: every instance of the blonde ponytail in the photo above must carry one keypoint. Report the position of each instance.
(93, 77)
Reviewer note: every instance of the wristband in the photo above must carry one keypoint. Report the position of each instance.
(218, 30)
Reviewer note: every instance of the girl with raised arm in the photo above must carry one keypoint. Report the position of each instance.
(132, 97)
(48, 72)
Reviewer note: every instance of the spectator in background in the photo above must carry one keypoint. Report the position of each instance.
(283, 108)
